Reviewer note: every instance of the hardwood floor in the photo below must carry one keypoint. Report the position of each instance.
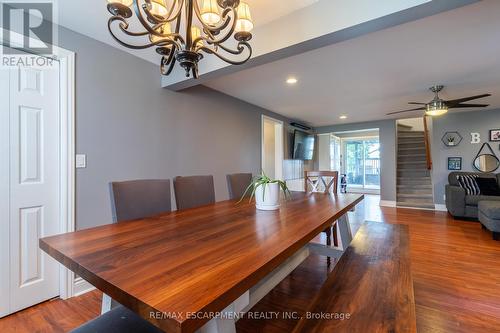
(455, 268)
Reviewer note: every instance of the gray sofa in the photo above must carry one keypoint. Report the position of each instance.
(461, 205)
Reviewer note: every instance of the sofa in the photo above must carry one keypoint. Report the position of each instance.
(461, 205)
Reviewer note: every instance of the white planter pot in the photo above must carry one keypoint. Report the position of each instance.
(270, 200)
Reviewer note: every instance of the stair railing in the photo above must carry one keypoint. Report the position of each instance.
(427, 144)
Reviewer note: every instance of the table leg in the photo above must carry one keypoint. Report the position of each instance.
(245, 302)
(108, 304)
(344, 230)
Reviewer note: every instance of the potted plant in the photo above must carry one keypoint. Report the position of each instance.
(266, 192)
(451, 141)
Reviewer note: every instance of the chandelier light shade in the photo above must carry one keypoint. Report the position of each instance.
(182, 31)
(210, 12)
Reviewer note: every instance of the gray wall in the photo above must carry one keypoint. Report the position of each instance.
(387, 137)
(464, 123)
(130, 127)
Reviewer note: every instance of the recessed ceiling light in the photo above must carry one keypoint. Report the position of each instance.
(343, 116)
(292, 80)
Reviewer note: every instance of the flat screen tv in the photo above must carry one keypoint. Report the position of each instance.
(303, 146)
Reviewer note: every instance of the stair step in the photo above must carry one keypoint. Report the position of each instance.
(415, 196)
(415, 186)
(407, 181)
(414, 173)
(410, 163)
(411, 144)
(414, 191)
(410, 134)
(412, 149)
(415, 205)
(403, 157)
(411, 138)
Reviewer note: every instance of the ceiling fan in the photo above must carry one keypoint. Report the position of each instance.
(439, 106)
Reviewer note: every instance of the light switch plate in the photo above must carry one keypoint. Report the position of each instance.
(81, 161)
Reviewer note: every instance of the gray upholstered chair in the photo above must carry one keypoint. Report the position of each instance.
(194, 191)
(137, 199)
(118, 320)
(237, 183)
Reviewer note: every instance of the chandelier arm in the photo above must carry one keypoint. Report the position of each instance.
(177, 29)
(170, 62)
(166, 42)
(241, 48)
(170, 10)
(173, 35)
(144, 23)
(179, 10)
(124, 25)
(171, 67)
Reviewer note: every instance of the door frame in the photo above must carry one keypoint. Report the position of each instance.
(67, 109)
(281, 145)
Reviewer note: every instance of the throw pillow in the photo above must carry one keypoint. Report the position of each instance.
(469, 184)
(488, 186)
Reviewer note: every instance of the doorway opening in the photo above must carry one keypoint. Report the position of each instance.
(272, 147)
(357, 153)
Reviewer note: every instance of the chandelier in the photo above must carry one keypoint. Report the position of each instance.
(182, 30)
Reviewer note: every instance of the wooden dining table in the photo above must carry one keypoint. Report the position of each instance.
(182, 271)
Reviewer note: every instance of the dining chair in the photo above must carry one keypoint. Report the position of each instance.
(118, 320)
(313, 180)
(237, 183)
(136, 199)
(194, 191)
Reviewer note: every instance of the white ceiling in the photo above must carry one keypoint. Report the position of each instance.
(369, 76)
(90, 18)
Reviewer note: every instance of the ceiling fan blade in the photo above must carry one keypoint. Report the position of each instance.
(465, 99)
(456, 106)
(406, 111)
(417, 103)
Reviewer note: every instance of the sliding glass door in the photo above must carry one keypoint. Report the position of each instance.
(362, 162)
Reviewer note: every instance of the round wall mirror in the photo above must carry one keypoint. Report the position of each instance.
(486, 163)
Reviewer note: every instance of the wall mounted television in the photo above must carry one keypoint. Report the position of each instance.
(303, 146)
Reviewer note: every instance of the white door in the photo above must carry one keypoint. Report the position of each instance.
(32, 184)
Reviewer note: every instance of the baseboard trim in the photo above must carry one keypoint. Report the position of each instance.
(441, 208)
(80, 287)
(387, 203)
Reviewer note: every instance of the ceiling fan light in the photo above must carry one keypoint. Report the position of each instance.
(435, 112)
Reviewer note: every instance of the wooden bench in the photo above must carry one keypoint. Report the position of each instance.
(370, 288)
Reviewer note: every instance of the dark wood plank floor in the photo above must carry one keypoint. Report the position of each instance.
(455, 267)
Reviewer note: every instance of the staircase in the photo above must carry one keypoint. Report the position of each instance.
(414, 184)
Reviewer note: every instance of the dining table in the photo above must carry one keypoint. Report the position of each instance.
(196, 270)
